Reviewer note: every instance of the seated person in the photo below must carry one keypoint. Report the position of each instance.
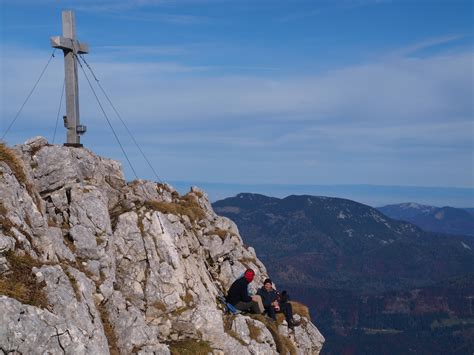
(238, 294)
(287, 310)
(269, 298)
(273, 302)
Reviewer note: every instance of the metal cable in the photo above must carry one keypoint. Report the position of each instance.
(59, 110)
(120, 118)
(29, 95)
(107, 118)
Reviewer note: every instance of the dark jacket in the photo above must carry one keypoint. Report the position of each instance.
(238, 292)
(267, 297)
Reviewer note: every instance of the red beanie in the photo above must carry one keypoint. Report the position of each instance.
(249, 275)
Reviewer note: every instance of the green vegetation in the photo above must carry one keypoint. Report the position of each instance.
(19, 283)
(190, 347)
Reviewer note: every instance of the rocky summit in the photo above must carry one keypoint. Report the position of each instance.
(92, 264)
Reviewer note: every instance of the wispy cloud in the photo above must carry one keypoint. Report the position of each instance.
(427, 43)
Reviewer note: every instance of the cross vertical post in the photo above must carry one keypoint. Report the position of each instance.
(71, 48)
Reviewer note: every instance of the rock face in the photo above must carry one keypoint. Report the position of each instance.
(91, 264)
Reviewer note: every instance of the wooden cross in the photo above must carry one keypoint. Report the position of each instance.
(71, 48)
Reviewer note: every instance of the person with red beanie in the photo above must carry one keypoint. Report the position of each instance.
(238, 294)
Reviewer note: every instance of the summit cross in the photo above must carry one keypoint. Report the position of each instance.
(71, 48)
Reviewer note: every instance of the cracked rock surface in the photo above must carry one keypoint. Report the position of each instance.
(92, 264)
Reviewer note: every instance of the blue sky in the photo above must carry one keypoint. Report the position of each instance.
(259, 92)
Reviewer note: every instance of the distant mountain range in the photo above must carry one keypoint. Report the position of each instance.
(338, 243)
(435, 219)
(347, 260)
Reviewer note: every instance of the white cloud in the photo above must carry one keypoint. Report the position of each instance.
(401, 90)
(399, 118)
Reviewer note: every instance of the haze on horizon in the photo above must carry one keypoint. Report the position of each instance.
(343, 92)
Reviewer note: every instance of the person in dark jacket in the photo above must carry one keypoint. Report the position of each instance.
(287, 309)
(238, 294)
(269, 298)
(273, 302)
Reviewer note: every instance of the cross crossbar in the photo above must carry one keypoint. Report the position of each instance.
(64, 43)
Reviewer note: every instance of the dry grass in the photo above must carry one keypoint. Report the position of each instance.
(19, 283)
(280, 317)
(3, 210)
(5, 222)
(247, 261)
(109, 331)
(178, 311)
(221, 233)
(283, 344)
(159, 306)
(161, 186)
(254, 332)
(228, 328)
(8, 156)
(186, 205)
(16, 165)
(74, 285)
(300, 309)
(69, 243)
(199, 194)
(190, 347)
(188, 298)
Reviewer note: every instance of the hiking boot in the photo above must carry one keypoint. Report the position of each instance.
(293, 323)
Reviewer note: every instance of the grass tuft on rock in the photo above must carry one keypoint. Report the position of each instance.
(186, 205)
(283, 344)
(228, 319)
(20, 283)
(300, 309)
(16, 165)
(254, 331)
(108, 330)
(221, 233)
(190, 347)
(8, 156)
(159, 306)
(74, 285)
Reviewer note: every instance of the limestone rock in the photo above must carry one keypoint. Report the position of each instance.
(125, 267)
